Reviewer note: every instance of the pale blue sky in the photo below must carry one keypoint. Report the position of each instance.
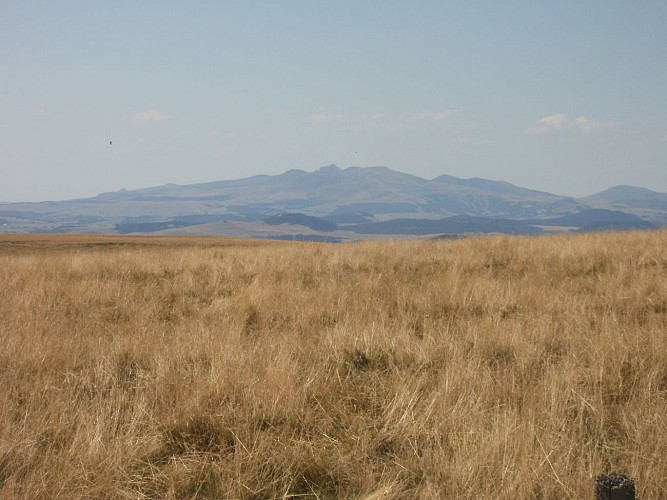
(563, 96)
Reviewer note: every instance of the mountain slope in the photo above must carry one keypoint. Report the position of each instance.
(631, 197)
(343, 196)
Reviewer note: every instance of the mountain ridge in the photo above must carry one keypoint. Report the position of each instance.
(379, 193)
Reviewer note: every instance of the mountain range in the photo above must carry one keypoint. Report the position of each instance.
(333, 204)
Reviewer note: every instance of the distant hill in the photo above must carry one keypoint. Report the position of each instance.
(350, 217)
(632, 197)
(626, 193)
(314, 223)
(616, 225)
(313, 238)
(356, 200)
(458, 224)
(590, 216)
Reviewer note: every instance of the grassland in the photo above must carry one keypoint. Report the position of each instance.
(483, 368)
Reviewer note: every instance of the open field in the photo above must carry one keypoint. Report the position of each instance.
(482, 368)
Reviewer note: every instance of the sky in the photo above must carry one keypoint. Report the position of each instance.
(564, 96)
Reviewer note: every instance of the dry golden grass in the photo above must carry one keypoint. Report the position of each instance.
(208, 368)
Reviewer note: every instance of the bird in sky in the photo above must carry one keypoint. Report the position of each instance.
(110, 143)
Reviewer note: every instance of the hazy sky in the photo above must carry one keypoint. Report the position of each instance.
(564, 96)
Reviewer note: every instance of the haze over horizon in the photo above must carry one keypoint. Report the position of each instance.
(564, 97)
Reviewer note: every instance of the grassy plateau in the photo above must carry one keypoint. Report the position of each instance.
(483, 368)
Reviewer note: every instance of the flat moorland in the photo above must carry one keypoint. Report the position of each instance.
(496, 367)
